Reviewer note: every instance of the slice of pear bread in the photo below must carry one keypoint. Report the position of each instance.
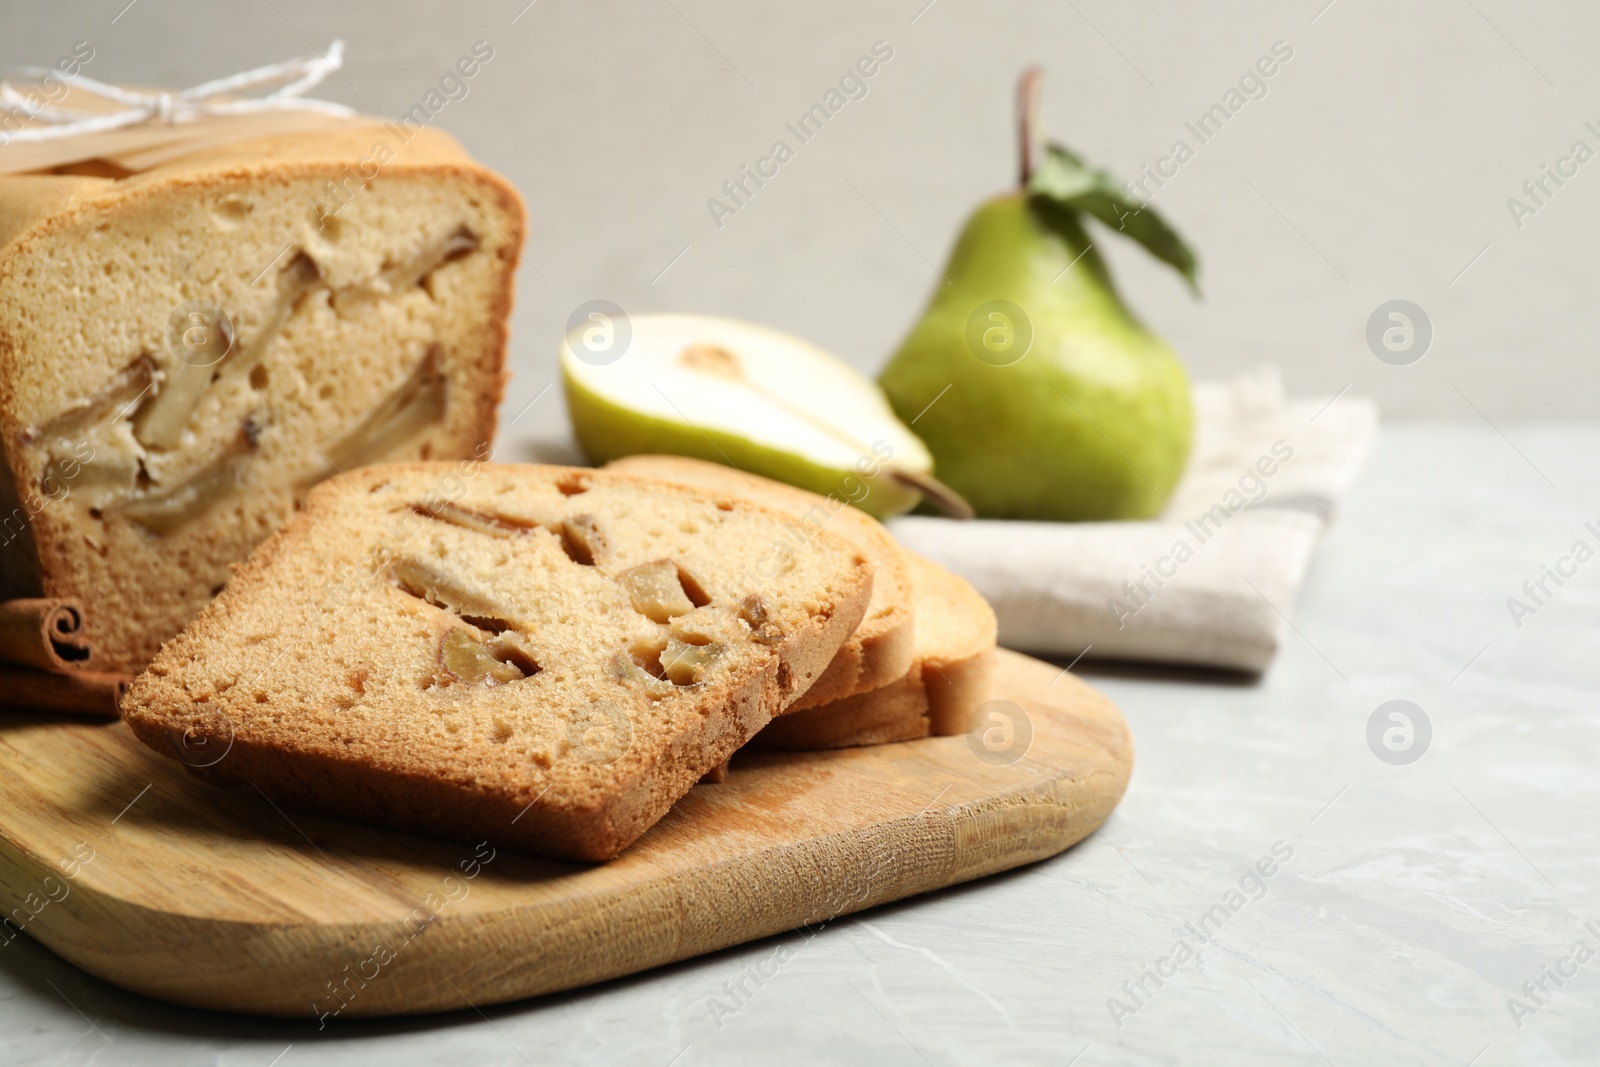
(186, 350)
(954, 673)
(545, 657)
(881, 650)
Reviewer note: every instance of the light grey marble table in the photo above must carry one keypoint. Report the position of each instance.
(1406, 907)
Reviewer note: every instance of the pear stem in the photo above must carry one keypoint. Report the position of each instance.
(945, 500)
(1029, 90)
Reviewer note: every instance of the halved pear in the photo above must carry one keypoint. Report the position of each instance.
(749, 397)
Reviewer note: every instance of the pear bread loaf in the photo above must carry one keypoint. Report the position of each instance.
(185, 350)
(544, 657)
(953, 674)
(882, 649)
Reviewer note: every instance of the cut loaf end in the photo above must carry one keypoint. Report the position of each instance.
(184, 352)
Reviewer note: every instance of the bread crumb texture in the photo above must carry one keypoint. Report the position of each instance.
(545, 657)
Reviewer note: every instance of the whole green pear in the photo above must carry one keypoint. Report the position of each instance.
(1057, 404)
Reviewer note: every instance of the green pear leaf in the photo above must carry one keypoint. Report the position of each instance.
(1063, 178)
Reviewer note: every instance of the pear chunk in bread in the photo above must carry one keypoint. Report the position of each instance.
(186, 350)
(543, 657)
(881, 650)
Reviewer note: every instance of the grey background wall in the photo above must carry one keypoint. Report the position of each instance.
(1377, 166)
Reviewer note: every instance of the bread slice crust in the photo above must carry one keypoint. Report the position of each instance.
(953, 675)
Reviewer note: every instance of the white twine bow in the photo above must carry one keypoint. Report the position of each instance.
(211, 98)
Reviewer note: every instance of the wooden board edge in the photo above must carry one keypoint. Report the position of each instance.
(260, 968)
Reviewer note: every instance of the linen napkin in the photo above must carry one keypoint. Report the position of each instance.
(1211, 581)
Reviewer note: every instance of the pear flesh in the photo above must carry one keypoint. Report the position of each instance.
(745, 396)
(1061, 405)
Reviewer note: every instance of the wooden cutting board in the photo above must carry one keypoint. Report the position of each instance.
(119, 861)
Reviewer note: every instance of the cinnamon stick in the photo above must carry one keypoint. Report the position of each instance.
(46, 634)
(74, 693)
